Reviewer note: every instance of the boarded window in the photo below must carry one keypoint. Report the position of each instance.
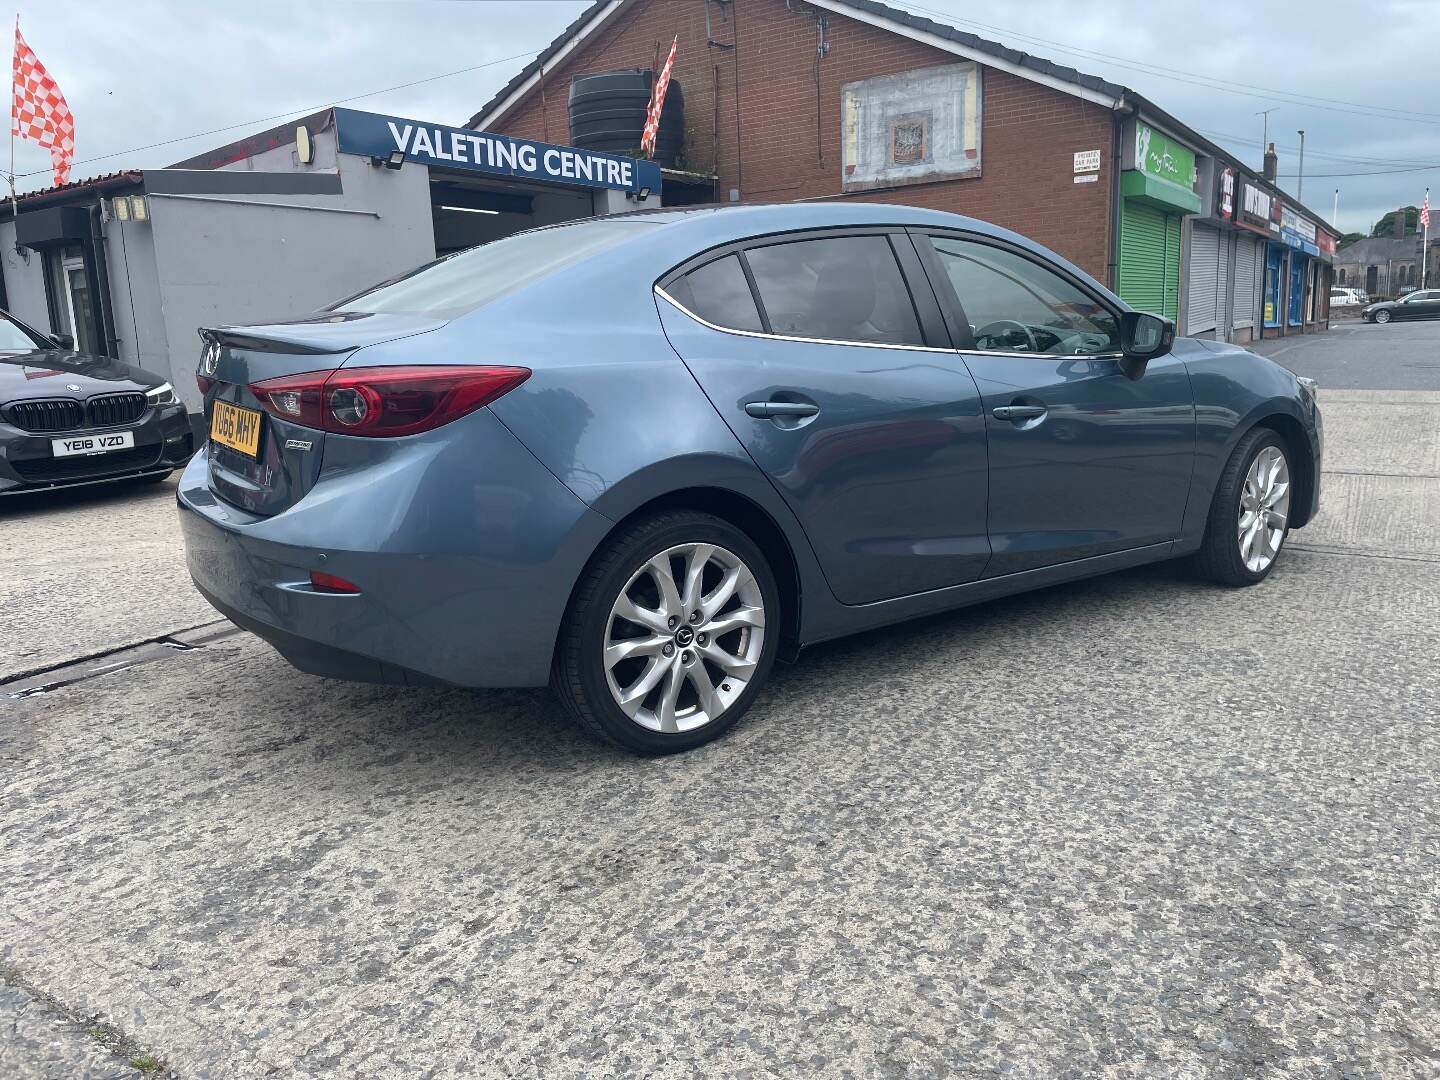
(911, 128)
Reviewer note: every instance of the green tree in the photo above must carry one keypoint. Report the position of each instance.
(1350, 238)
(1386, 225)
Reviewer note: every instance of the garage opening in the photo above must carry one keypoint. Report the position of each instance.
(468, 210)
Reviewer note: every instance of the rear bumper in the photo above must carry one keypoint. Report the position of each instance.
(163, 443)
(464, 547)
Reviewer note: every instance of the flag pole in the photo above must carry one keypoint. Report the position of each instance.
(1425, 241)
(14, 199)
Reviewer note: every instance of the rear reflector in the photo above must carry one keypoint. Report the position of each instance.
(331, 584)
(385, 401)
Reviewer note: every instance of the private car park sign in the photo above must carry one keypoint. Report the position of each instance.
(372, 135)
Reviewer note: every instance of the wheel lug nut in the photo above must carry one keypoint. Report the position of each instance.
(687, 656)
(668, 650)
(695, 616)
(673, 621)
(701, 638)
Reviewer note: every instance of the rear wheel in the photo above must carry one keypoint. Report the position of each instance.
(671, 633)
(1250, 514)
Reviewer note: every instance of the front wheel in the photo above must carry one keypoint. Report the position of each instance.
(671, 634)
(1382, 316)
(1250, 514)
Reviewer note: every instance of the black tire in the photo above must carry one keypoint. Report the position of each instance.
(579, 675)
(1381, 317)
(1219, 557)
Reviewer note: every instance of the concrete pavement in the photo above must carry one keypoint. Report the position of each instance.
(1132, 827)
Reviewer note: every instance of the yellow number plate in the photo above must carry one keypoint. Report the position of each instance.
(236, 428)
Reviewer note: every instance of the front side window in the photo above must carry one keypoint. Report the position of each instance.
(1016, 305)
(845, 288)
(15, 339)
(719, 294)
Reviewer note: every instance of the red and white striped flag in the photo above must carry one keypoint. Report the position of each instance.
(1425, 211)
(657, 102)
(39, 112)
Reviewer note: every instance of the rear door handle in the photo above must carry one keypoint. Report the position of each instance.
(1018, 412)
(769, 410)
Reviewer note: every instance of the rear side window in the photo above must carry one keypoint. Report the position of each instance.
(719, 294)
(468, 279)
(847, 288)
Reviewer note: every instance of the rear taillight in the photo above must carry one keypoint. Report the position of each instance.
(385, 401)
(204, 383)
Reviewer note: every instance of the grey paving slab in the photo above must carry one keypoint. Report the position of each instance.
(1382, 431)
(1380, 514)
(1133, 827)
(91, 570)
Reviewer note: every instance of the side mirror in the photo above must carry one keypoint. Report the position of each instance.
(63, 341)
(1142, 338)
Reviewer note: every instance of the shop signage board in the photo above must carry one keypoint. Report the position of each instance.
(1256, 210)
(373, 135)
(1225, 202)
(1297, 231)
(1162, 157)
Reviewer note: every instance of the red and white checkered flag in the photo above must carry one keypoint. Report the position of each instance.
(657, 102)
(39, 112)
(1425, 211)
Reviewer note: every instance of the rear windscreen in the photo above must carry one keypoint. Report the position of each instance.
(464, 281)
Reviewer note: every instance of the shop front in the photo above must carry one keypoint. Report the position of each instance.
(1157, 190)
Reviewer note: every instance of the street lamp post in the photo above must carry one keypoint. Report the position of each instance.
(1300, 180)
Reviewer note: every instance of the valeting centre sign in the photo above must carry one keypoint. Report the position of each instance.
(373, 135)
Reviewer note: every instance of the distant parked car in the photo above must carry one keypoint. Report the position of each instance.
(1346, 297)
(1420, 304)
(68, 419)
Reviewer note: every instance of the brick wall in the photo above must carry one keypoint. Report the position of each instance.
(1029, 132)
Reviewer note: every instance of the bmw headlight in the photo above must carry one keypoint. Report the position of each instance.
(164, 394)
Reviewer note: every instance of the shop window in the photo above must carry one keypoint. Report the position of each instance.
(843, 289)
(1015, 305)
(719, 294)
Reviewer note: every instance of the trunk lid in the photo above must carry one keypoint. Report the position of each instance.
(288, 456)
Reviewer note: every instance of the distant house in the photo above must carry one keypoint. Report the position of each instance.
(1383, 265)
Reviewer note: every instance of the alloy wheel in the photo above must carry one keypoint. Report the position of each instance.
(684, 637)
(1264, 509)
(1382, 316)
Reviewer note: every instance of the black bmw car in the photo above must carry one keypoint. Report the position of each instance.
(68, 419)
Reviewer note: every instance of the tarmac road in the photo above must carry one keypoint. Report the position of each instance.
(1132, 827)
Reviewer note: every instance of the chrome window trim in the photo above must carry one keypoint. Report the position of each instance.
(660, 291)
(1042, 355)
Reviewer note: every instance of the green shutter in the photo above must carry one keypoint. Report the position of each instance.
(1149, 258)
(1172, 266)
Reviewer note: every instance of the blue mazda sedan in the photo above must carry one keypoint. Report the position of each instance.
(639, 458)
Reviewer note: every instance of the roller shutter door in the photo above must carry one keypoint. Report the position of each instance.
(1247, 282)
(1149, 258)
(1202, 297)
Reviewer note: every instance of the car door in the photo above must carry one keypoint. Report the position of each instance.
(1420, 305)
(842, 386)
(1084, 460)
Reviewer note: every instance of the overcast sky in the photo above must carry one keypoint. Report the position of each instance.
(143, 71)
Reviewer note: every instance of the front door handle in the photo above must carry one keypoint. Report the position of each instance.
(769, 410)
(1018, 412)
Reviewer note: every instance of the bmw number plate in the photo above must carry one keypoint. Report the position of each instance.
(92, 444)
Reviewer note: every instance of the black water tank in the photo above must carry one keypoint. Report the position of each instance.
(607, 113)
